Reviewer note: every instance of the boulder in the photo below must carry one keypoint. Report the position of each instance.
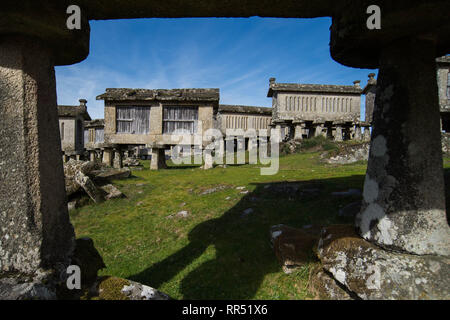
(131, 162)
(40, 286)
(370, 272)
(89, 187)
(113, 288)
(111, 192)
(71, 167)
(110, 174)
(325, 287)
(349, 154)
(293, 247)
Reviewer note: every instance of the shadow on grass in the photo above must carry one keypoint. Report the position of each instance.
(243, 254)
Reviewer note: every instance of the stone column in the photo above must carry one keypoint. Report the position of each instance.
(65, 158)
(158, 159)
(298, 132)
(118, 159)
(207, 158)
(78, 157)
(278, 128)
(404, 200)
(351, 133)
(35, 229)
(366, 136)
(107, 156)
(338, 134)
(92, 155)
(358, 135)
(319, 129)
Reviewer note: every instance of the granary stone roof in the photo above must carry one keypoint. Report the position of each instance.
(319, 88)
(122, 94)
(244, 109)
(73, 111)
(94, 123)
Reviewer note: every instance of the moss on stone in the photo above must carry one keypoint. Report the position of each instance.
(110, 288)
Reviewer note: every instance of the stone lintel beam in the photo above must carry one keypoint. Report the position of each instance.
(123, 9)
(36, 231)
(404, 200)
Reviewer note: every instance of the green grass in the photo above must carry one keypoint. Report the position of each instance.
(214, 253)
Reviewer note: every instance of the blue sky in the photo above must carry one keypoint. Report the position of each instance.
(237, 55)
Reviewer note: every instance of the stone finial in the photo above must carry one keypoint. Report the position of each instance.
(356, 83)
(372, 79)
(83, 102)
(272, 80)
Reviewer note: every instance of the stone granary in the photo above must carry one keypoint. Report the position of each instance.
(404, 200)
(157, 118)
(71, 128)
(443, 82)
(237, 117)
(308, 110)
(240, 122)
(369, 91)
(94, 138)
(443, 77)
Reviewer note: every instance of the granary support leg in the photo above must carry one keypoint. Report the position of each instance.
(366, 135)
(298, 131)
(358, 135)
(404, 202)
(36, 232)
(158, 159)
(118, 159)
(338, 134)
(107, 156)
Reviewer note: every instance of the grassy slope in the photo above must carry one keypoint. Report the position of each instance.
(214, 253)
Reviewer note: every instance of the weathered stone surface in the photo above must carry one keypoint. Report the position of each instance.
(131, 162)
(89, 187)
(446, 143)
(293, 247)
(325, 287)
(19, 288)
(112, 288)
(373, 273)
(71, 168)
(35, 228)
(350, 154)
(112, 192)
(180, 214)
(110, 174)
(404, 200)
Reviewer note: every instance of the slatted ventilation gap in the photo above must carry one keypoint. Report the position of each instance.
(133, 119)
(180, 119)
